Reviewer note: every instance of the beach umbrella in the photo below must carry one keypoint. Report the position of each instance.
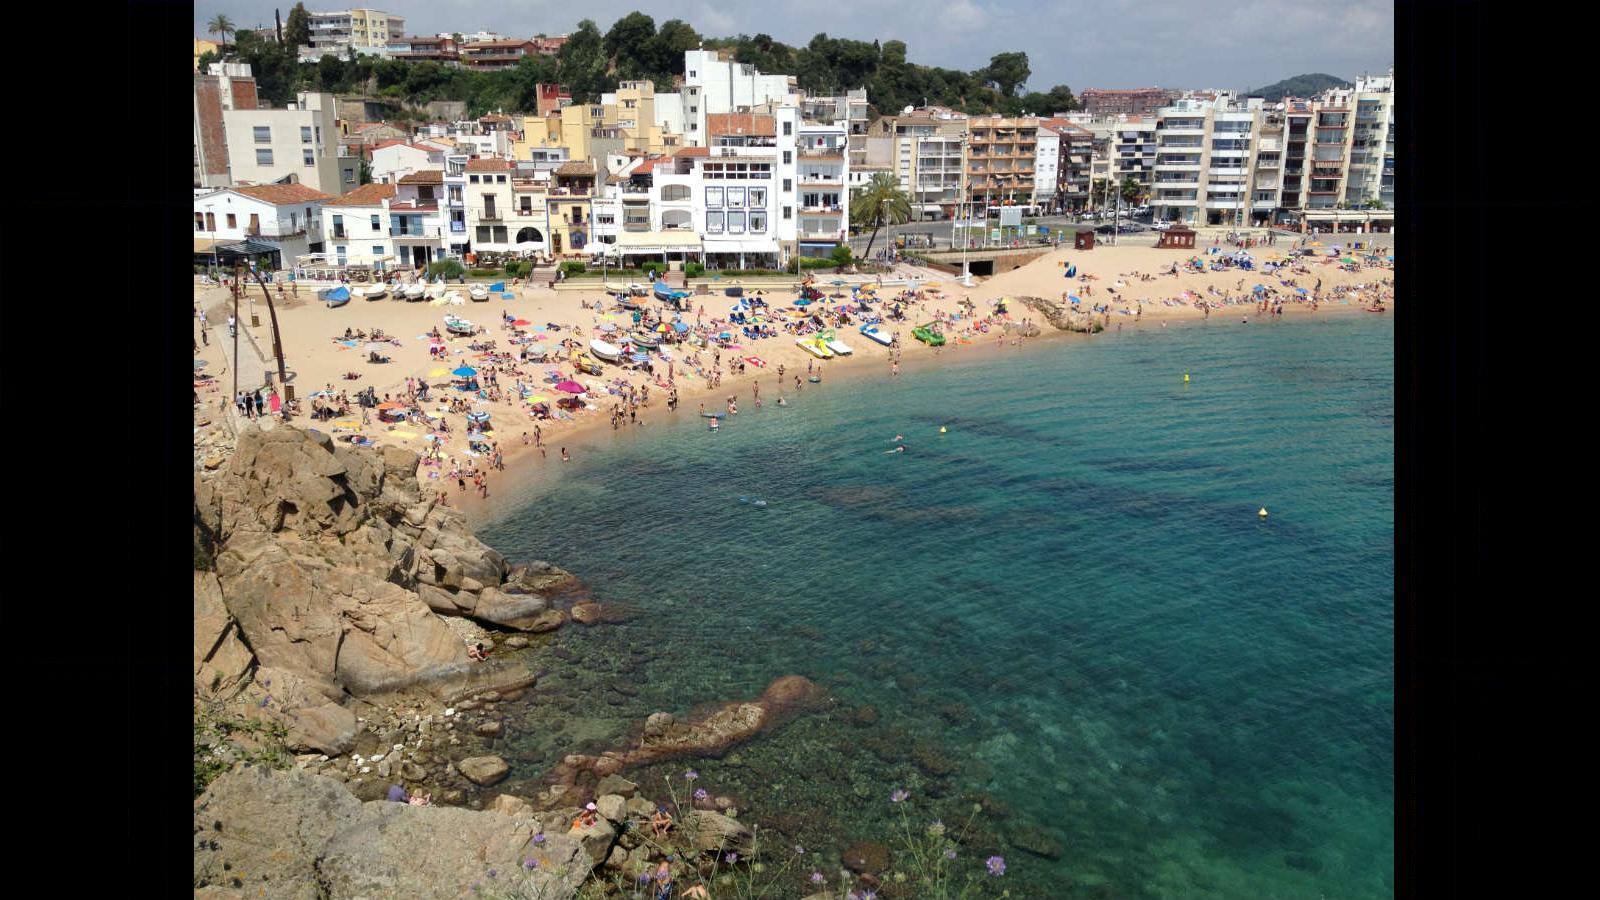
(536, 350)
(640, 357)
(571, 387)
(200, 364)
(837, 281)
(465, 372)
(1301, 291)
(521, 323)
(662, 328)
(1075, 298)
(680, 327)
(391, 405)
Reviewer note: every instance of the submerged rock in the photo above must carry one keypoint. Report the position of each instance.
(483, 770)
(865, 857)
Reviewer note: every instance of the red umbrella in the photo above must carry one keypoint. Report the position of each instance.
(521, 322)
(571, 387)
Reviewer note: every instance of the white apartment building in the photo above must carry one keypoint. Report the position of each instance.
(286, 216)
(355, 228)
(416, 219)
(925, 150)
(1205, 169)
(713, 83)
(393, 160)
(489, 201)
(1133, 150)
(300, 143)
(1046, 166)
(822, 174)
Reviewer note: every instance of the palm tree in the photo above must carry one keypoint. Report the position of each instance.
(879, 202)
(222, 25)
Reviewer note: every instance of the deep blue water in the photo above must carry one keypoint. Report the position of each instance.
(1065, 608)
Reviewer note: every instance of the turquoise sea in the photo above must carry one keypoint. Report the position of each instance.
(1065, 609)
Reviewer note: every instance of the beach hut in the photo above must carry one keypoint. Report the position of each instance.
(1178, 236)
(1083, 240)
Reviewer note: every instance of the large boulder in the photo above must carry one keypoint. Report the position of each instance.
(309, 837)
(221, 660)
(715, 832)
(483, 770)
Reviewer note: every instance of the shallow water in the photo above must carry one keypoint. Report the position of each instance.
(1065, 608)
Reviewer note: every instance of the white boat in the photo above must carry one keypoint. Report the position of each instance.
(413, 292)
(458, 326)
(605, 351)
(478, 292)
(839, 347)
(434, 291)
(874, 333)
(372, 292)
(814, 346)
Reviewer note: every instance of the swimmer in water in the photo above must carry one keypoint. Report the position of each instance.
(899, 449)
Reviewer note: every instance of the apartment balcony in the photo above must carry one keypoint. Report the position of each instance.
(489, 215)
(822, 210)
(1177, 166)
(1228, 171)
(635, 189)
(425, 236)
(836, 153)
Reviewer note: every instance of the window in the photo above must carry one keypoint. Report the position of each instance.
(318, 129)
(675, 192)
(713, 196)
(500, 178)
(339, 250)
(788, 211)
(691, 73)
(305, 134)
(758, 220)
(483, 234)
(263, 134)
(349, 176)
(263, 156)
(499, 234)
(736, 197)
(788, 128)
(736, 223)
(377, 250)
(758, 196)
(308, 157)
(199, 221)
(232, 222)
(788, 185)
(713, 223)
(788, 157)
(694, 109)
(473, 179)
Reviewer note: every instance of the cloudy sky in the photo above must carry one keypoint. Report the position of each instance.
(1104, 43)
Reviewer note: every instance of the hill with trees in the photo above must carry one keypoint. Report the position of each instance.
(592, 62)
(1309, 85)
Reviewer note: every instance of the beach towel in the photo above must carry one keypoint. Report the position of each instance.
(754, 361)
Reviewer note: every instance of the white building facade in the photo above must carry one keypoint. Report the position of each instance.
(301, 143)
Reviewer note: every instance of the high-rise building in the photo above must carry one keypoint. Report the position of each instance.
(362, 29)
(1000, 160)
(1103, 103)
(1205, 164)
(925, 150)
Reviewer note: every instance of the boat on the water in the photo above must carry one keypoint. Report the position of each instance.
(478, 293)
(413, 292)
(603, 350)
(334, 297)
(874, 333)
(840, 348)
(815, 346)
(927, 335)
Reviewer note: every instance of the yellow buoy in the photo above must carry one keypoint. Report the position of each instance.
(1263, 512)
(1186, 378)
(941, 429)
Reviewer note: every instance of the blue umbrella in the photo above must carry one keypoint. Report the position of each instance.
(465, 372)
(640, 357)
(1301, 291)
(1075, 298)
(679, 327)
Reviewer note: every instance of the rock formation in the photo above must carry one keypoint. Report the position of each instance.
(331, 570)
(710, 735)
(1063, 317)
(294, 834)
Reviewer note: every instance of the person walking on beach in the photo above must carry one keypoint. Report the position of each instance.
(564, 456)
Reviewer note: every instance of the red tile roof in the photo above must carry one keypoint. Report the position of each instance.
(282, 194)
(490, 164)
(366, 195)
(425, 176)
(694, 151)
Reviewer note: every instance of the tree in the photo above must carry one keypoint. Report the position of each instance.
(297, 31)
(628, 36)
(582, 62)
(206, 59)
(221, 24)
(1131, 190)
(1006, 71)
(879, 202)
(665, 50)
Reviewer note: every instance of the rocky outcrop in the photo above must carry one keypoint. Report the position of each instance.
(331, 572)
(294, 834)
(1062, 316)
(710, 735)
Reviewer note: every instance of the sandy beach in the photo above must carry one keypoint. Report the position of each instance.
(1128, 281)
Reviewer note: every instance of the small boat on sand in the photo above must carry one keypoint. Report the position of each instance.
(458, 326)
(371, 292)
(478, 293)
(927, 335)
(334, 297)
(874, 333)
(414, 292)
(606, 351)
(815, 346)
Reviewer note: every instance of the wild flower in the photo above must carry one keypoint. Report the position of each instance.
(732, 858)
(817, 878)
(799, 850)
(700, 794)
(936, 829)
(529, 864)
(950, 854)
(538, 838)
(690, 775)
(997, 865)
(899, 795)
(493, 873)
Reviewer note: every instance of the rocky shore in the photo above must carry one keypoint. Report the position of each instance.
(333, 618)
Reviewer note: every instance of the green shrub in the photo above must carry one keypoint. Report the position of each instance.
(573, 267)
(655, 269)
(694, 269)
(519, 269)
(484, 273)
(448, 268)
(840, 255)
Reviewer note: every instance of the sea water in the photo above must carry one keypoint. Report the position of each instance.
(1065, 609)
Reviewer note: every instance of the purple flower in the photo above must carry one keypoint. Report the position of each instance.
(799, 850)
(691, 775)
(732, 858)
(950, 854)
(538, 838)
(492, 873)
(645, 877)
(529, 864)
(816, 878)
(899, 795)
(700, 794)
(997, 865)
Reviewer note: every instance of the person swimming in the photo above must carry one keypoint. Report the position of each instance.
(899, 449)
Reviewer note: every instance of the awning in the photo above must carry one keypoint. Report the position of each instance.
(657, 241)
(204, 245)
(245, 248)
